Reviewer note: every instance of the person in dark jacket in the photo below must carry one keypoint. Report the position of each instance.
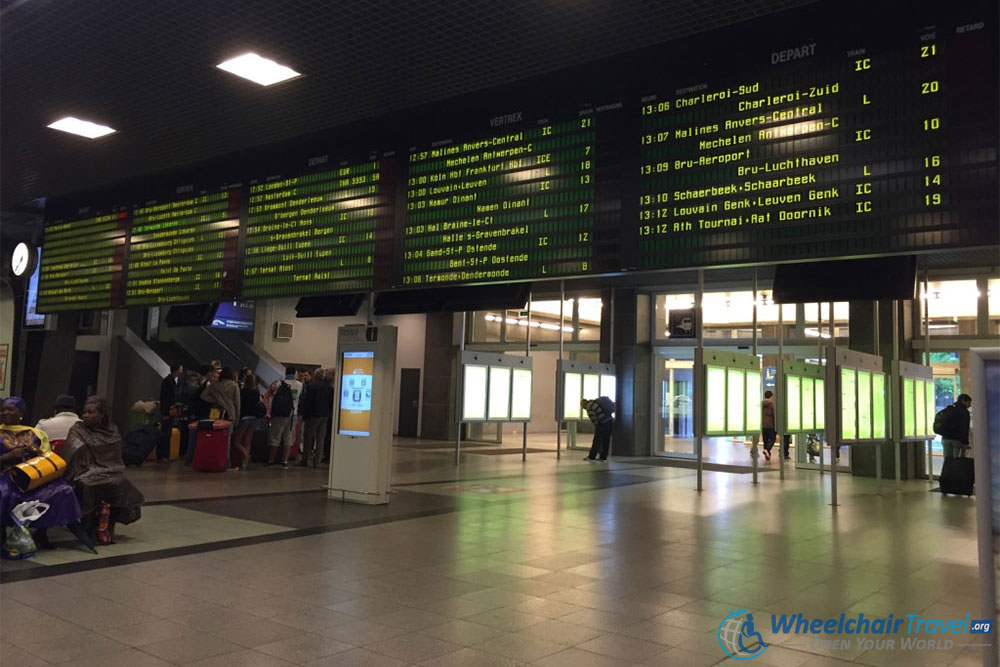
(316, 408)
(955, 431)
(252, 413)
(171, 391)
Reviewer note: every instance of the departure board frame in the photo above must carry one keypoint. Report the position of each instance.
(844, 107)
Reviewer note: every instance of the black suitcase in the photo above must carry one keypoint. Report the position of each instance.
(138, 443)
(958, 476)
(259, 450)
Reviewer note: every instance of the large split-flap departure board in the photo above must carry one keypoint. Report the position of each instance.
(806, 135)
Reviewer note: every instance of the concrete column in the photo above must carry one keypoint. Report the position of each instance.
(437, 413)
(632, 355)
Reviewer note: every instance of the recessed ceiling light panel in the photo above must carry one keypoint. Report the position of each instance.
(82, 127)
(259, 70)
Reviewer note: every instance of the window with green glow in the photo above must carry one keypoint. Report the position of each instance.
(753, 401)
(864, 405)
(878, 406)
(848, 404)
(715, 400)
(909, 408)
(736, 399)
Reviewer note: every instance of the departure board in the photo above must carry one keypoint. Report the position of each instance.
(812, 148)
(82, 263)
(184, 250)
(325, 231)
(514, 205)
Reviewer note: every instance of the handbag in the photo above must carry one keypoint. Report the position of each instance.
(37, 471)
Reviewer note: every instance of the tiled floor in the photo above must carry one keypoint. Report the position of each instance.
(500, 563)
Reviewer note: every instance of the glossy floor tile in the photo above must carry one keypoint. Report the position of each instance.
(499, 562)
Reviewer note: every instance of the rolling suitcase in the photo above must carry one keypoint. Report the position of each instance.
(958, 476)
(211, 446)
(172, 451)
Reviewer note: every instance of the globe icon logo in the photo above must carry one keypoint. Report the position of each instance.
(738, 638)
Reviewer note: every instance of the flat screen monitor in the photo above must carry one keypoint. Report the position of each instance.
(234, 316)
(356, 373)
(474, 392)
(32, 318)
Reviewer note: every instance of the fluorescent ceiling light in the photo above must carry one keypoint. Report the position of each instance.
(257, 69)
(82, 127)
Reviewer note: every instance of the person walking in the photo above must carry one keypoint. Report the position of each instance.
(601, 412)
(767, 429)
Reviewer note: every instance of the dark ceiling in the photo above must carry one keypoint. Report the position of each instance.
(148, 69)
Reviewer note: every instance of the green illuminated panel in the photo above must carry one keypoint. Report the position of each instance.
(508, 206)
(909, 409)
(878, 406)
(920, 410)
(591, 386)
(753, 400)
(793, 403)
(929, 398)
(572, 395)
(499, 393)
(82, 263)
(474, 392)
(736, 400)
(184, 251)
(848, 404)
(316, 232)
(808, 404)
(864, 405)
(715, 400)
(520, 395)
(820, 391)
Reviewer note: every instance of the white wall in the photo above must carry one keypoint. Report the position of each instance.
(314, 340)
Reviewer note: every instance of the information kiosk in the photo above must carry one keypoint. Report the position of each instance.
(576, 380)
(492, 388)
(362, 441)
(856, 407)
(914, 384)
(727, 396)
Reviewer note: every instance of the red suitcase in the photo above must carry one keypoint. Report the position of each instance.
(211, 446)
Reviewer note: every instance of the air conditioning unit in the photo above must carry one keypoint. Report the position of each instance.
(283, 330)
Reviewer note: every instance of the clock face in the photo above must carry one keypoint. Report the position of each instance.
(20, 259)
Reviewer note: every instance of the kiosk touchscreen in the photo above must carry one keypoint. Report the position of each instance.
(356, 374)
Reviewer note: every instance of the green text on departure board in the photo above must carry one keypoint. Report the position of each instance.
(82, 263)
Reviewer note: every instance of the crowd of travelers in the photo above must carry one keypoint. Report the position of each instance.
(284, 423)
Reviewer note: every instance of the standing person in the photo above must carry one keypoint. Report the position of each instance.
(279, 434)
(767, 422)
(601, 412)
(316, 407)
(64, 416)
(252, 411)
(225, 394)
(171, 390)
(292, 376)
(952, 424)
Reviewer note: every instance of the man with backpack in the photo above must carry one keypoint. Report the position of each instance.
(280, 432)
(952, 424)
(601, 412)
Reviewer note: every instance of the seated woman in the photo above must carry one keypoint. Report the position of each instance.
(19, 443)
(94, 467)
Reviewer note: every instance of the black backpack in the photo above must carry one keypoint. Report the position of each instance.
(942, 420)
(281, 404)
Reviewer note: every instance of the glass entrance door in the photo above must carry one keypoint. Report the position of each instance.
(674, 416)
